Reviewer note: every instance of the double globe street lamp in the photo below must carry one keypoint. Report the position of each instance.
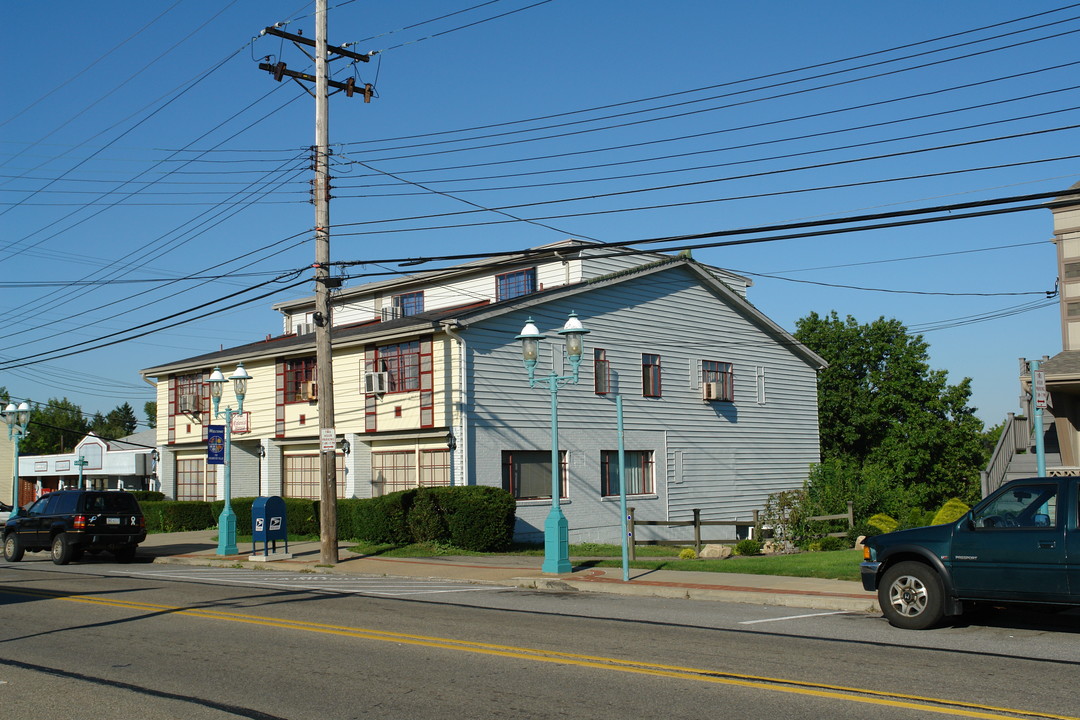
(556, 527)
(227, 519)
(17, 419)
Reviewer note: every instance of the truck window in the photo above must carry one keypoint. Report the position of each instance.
(1026, 506)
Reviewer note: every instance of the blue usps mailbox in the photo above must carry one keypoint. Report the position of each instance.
(268, 523)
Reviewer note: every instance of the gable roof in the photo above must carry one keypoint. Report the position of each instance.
(463, 315)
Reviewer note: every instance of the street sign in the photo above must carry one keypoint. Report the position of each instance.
(1042, 397)
(329, 440)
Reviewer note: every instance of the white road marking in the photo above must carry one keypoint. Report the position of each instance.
(793, 617)
(395, 587)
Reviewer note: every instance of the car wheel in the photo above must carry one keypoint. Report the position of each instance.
(125, 553)
(61, 551)
(911, 596)
(13, 549)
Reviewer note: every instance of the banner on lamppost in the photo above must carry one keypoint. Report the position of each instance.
(215, 445)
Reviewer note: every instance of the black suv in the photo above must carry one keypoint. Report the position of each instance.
(69, 522)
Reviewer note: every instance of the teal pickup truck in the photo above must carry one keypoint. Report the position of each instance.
(1019, 545)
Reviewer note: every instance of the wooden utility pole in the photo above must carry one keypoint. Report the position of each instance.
(323, 317)
(324, 366)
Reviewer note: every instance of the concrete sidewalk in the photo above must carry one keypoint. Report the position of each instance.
(200, 548)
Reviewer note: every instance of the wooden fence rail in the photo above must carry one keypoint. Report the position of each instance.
(849, 516)
(697, 523)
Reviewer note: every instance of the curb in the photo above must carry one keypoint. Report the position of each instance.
(818, 600)
(754, 596)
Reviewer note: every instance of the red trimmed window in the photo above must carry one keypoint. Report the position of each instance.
(408, 304)
(639, 472)
(402, 364)
(721, 373)
(601, 372)
(527, 474)
(299, 374)
(188, 397)
(515, 284)
(650, 375)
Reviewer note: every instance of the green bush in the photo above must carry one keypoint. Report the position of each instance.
(478, 517)
(380, 520)
(177, 516)
(861, 529)
(687, 554)
(883, 523)
(151, 495)
(833, 543)
(951, 511)
(749, 546)
(425, 519)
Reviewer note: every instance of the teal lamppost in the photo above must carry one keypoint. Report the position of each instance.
(556, 527)
(227, 519)
(18, 420)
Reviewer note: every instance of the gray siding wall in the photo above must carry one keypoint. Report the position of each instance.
(724, 458)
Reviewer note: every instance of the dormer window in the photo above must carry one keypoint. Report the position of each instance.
(515, 284)
(408, 304)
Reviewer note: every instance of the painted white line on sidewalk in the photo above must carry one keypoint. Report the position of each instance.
(794, 617)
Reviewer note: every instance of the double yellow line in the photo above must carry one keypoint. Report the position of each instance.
(831, 692)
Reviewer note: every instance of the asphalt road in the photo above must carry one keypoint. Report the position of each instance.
(100, 640)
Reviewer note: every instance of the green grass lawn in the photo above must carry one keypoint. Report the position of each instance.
(835, 565)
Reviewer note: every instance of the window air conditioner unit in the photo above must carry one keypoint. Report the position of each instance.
(309, 390)
(376, 383)
(189, 403)
(710, 391)
(304, 328)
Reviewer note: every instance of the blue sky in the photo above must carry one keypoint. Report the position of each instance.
(141, 145)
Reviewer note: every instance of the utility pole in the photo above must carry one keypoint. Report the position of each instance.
(323, 282)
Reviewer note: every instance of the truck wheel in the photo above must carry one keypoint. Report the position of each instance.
(911, 596)
(13, 549)
(61, 551)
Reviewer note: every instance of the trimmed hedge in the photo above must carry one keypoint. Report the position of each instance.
(177, 516)
(151, 495)
(469, 517)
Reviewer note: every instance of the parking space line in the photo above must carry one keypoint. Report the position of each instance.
(794, 617)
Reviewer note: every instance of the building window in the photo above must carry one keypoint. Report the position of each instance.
(515, 284)
(722, 374)
(601, 372)
(639, 472)
(527, 474)
(434, 468)
(302, 476)
(300, 376)
(393, 471)
(408, 304)
(401, 362)
(761, 385)
(188, 394)
(195, 480)
(1072, 309)
(650, 375)
(1072, 270)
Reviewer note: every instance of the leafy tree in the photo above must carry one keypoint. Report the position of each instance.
(894, 432)
(150, 410)
(55, 427)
